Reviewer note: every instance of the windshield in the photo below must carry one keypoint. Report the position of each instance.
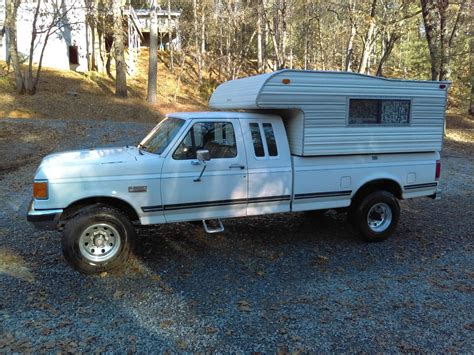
(159, 138)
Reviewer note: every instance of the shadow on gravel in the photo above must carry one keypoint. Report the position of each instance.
(257, 235)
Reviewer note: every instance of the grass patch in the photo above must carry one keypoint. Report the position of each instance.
(6, 84)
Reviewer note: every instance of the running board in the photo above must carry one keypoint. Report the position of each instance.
(219, 228)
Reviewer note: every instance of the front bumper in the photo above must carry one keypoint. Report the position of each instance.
(43, 219)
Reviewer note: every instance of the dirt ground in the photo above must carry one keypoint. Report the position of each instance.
(286, 283)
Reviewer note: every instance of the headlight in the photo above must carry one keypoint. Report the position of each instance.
(40, 190)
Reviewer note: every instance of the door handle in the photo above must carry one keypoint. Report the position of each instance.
(237, 166)
(195, 162)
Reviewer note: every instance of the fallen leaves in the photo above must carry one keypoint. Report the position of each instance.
(118, 295)
(211, 330)
(244, 306)
(166, 324)
(469, 326)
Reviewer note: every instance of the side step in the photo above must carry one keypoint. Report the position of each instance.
(219, 227)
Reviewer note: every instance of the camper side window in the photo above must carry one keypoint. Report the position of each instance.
(378, 112)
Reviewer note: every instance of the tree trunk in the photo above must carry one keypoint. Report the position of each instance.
(153, 55)
(350, 42)
(29, 72)
(390, 43)
(203, 38)
(40, 62)
(196, 40)
(93, 52)
(429, 33)
(454, 32)
(284, 34)
(170, 37)
(259, 38)
(322, 57)
(181, 71)
(443, 57)
(350, 49)
(369, 39)
(119, 51)
(11, 8)
(306, 24)
(109, 44)
(265, 43)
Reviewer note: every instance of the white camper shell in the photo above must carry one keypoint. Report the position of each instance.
(340, 113)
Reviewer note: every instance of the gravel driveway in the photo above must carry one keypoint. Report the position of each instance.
(289, 282)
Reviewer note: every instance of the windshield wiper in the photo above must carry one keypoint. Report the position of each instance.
(141, 147)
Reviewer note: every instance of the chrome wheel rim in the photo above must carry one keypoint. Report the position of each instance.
(99, 242)
(379, 217)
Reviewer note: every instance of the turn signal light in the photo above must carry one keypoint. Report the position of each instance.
(40, 190)
(438, 170)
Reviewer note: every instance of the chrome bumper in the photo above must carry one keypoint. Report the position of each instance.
(43, 219)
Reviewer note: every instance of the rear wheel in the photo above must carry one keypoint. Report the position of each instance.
(375, 216)
(97, 239)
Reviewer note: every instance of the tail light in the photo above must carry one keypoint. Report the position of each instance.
(438, 170)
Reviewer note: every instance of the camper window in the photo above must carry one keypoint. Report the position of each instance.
(378, 111)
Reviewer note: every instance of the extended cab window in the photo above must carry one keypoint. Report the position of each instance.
(378, 111)
(217, 137)
(270, 139)
(257, 140)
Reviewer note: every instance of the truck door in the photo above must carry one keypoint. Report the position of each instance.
(222, 190)
(269, 165)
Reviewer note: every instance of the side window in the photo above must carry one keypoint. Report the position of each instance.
(257, 140)
(217, 137)
(378, 112)
(270, 138)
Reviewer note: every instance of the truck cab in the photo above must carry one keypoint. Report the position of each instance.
(247, 169)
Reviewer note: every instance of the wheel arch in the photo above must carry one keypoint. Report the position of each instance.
(384, 184)
(123, 206)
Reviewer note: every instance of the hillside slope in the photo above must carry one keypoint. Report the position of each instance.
(73, 95)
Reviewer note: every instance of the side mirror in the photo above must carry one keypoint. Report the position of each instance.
(203, 155)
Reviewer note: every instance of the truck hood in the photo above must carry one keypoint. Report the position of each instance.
(100, 162)
(91, 156)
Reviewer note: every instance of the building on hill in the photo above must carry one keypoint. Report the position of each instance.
(74, 44)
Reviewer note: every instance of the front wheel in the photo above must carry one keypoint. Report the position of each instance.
(97, 239)
(376, 216)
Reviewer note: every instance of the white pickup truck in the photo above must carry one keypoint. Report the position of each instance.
(206, 166)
